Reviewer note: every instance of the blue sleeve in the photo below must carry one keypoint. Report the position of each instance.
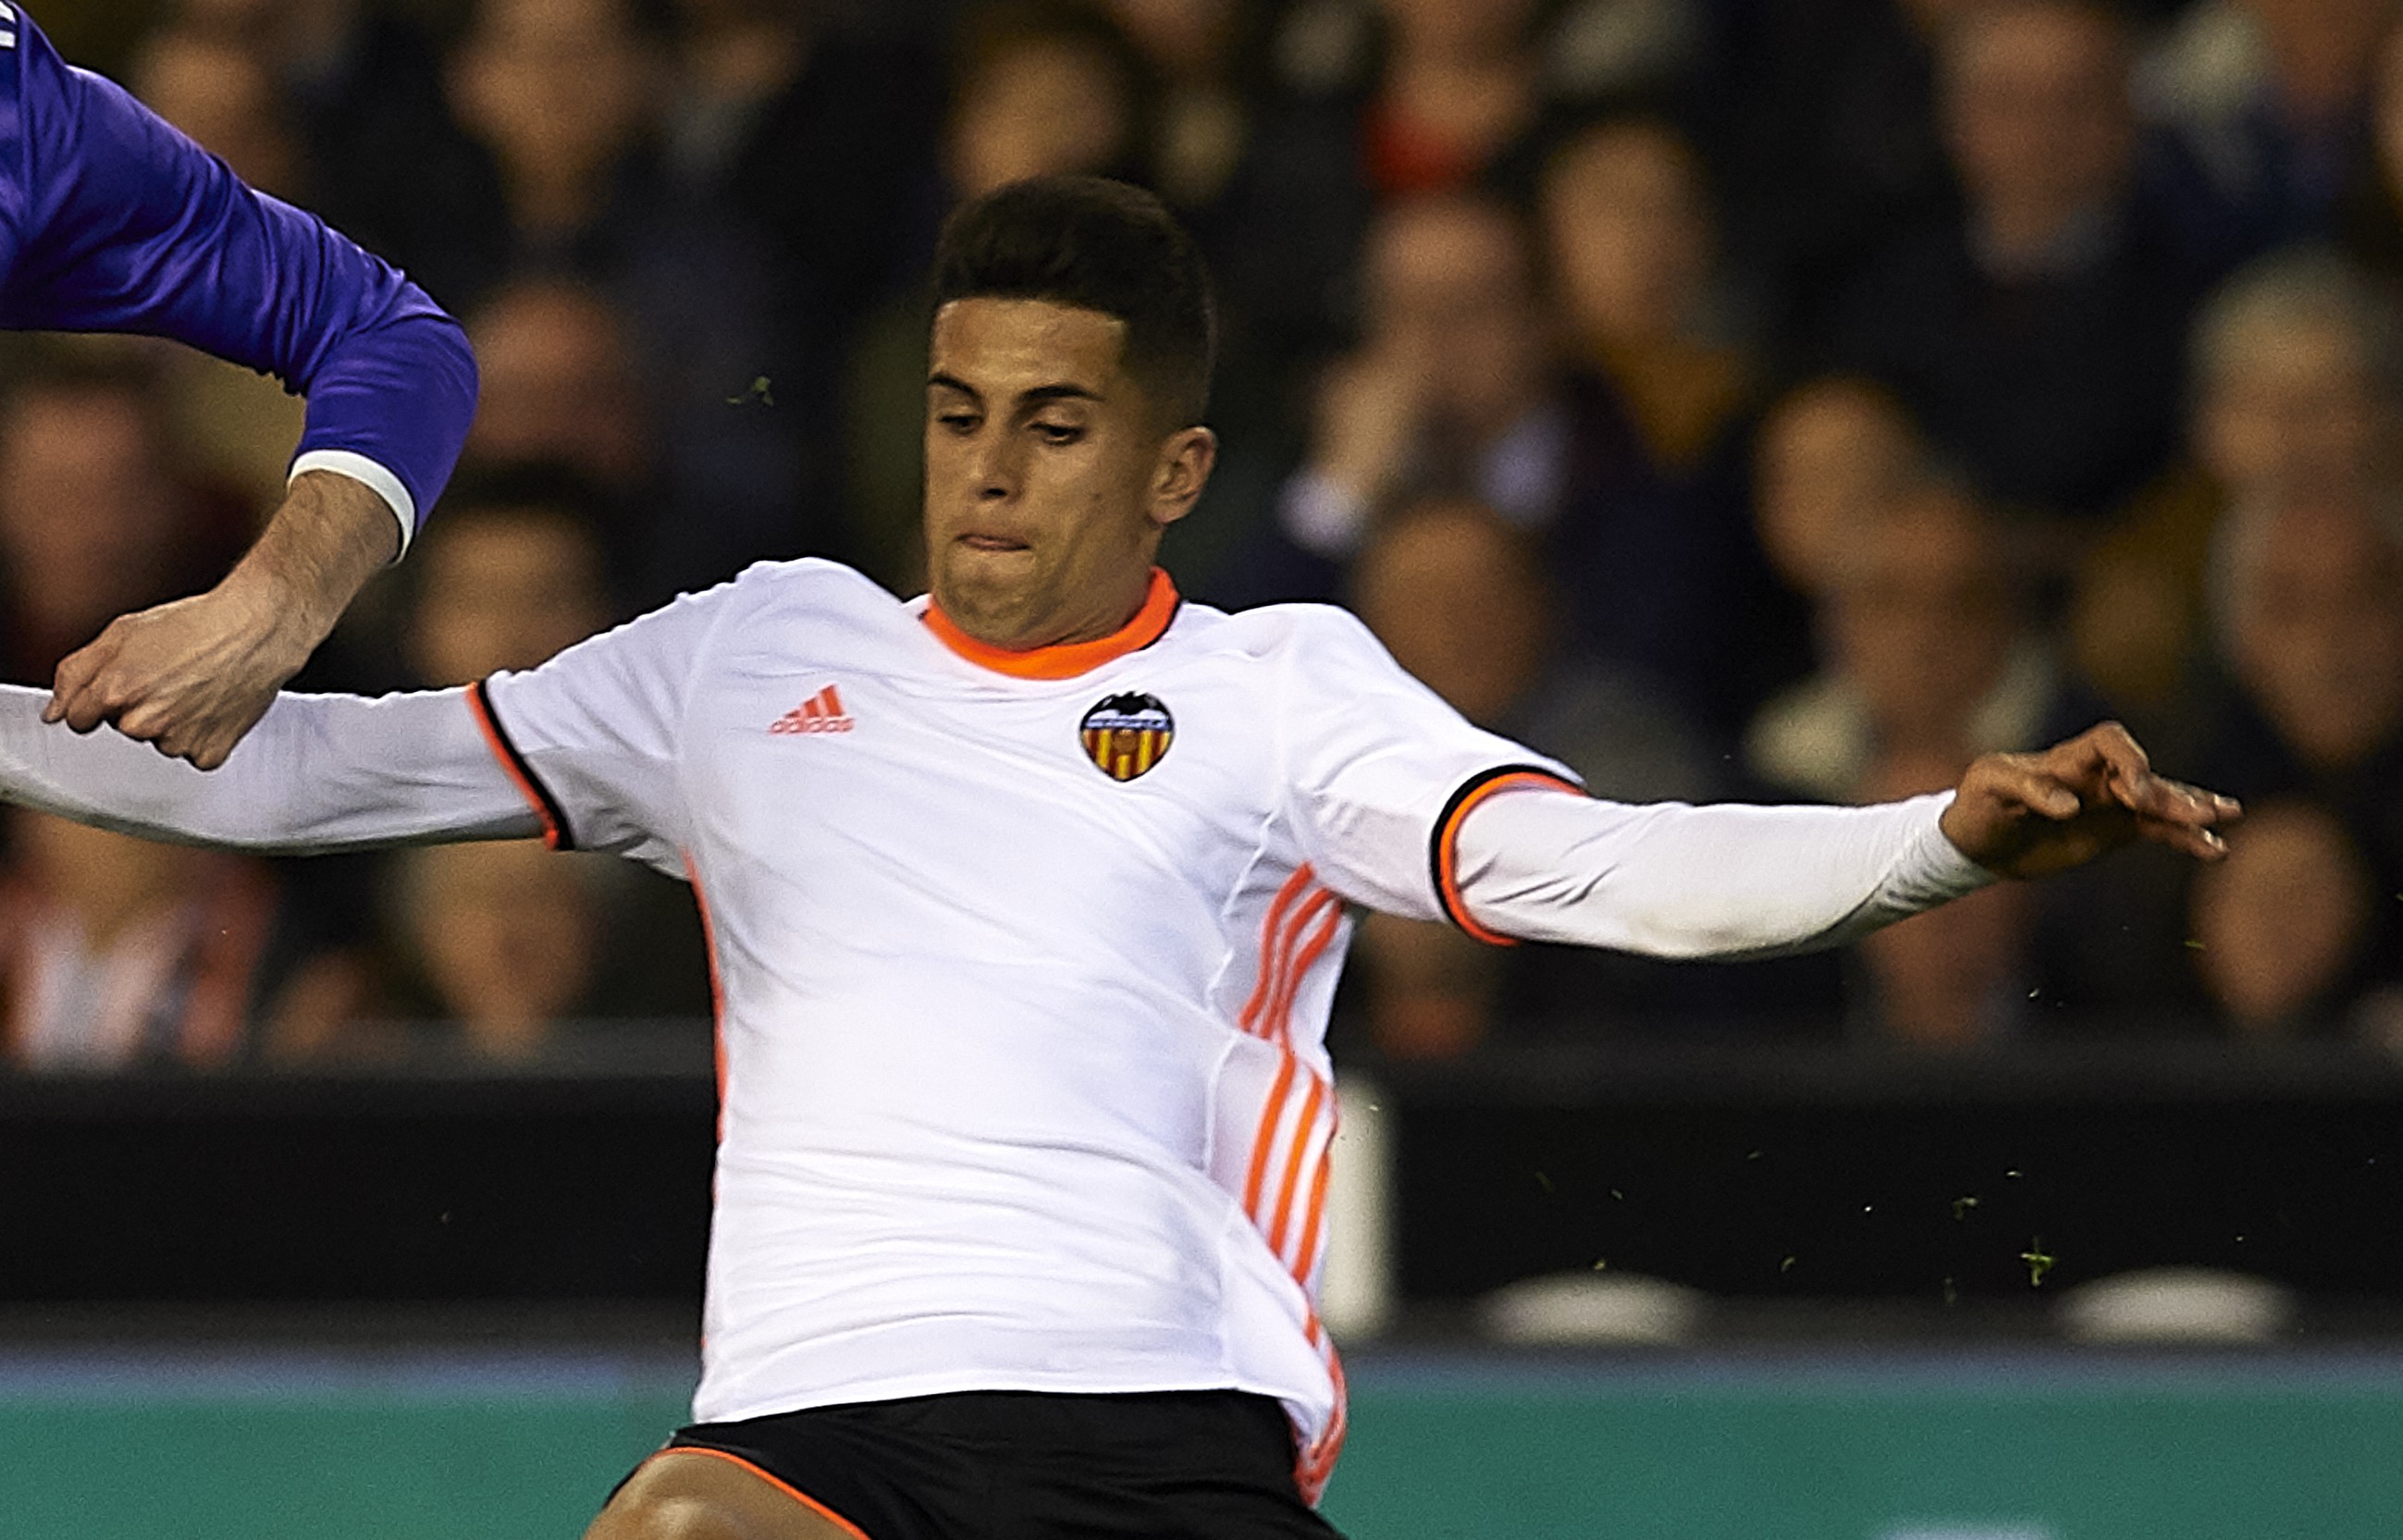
(110, 220)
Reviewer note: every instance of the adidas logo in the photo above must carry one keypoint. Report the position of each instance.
(820, 713)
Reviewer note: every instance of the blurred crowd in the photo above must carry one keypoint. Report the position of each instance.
(1766, 399)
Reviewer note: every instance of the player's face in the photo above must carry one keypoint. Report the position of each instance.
(1049, 477)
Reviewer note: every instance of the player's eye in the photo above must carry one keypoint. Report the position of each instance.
(958, 422)
(1059, 432)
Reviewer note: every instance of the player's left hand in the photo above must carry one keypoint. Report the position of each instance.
(2031, 814)
(190, 677)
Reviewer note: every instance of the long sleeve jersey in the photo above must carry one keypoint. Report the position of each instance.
(1026, 959)
(110, 220)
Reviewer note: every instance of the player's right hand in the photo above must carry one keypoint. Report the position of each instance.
(2033, 814)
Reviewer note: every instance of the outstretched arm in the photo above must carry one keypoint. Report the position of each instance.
(1733, 881)
(321, 772)
(1724, 881)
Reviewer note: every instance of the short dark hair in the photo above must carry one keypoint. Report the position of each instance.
(1100, 245)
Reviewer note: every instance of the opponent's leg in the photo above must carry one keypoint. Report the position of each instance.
(694, 1494)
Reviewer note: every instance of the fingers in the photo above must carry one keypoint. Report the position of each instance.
(2099, 762)
(206, 753)
(77, 694)
(98, 685)
(2204, 844)
(208, 736)
(190, 677)
(202, 735)
(2128, 779)
(2156, 796)
(2127, 770)
(2198, 805)
(2026, 780)
(73, 681)
(182, 720)
(2031, 814)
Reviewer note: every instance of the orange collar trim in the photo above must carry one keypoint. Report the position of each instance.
(1068, 659)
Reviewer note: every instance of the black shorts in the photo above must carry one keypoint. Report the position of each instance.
(1026, 1465)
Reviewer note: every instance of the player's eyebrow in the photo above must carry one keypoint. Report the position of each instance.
(1061, 392)
(1038, 396)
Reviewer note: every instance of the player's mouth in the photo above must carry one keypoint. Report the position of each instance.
(978, 540)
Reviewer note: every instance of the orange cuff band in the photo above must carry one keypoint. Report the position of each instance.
(1443, 851)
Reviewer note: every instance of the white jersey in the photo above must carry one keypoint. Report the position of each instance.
(1023, 966)
(1023, 959)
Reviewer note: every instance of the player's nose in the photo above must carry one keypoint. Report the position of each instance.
(999, 470)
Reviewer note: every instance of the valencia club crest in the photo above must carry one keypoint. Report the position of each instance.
(1127, 734)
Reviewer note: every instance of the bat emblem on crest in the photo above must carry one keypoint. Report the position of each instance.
(1125, 735)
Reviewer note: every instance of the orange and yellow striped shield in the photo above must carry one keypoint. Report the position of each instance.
(1125, 735)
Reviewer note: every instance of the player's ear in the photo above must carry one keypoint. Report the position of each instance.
(1185, 457)
(1186, 465)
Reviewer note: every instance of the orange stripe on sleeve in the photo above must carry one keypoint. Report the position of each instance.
(554, 822)
(1445, 852)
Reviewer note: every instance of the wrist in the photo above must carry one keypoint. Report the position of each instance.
(1952, 823)
(1946, 857)
(349, 480)
(329, 536)
(346, 517)
(282, 616)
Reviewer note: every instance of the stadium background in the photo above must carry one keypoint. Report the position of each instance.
(1742, 398)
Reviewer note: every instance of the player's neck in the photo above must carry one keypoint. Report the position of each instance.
(1079, 649)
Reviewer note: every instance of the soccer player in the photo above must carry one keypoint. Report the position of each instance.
(112, 221)
(1027, 900)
